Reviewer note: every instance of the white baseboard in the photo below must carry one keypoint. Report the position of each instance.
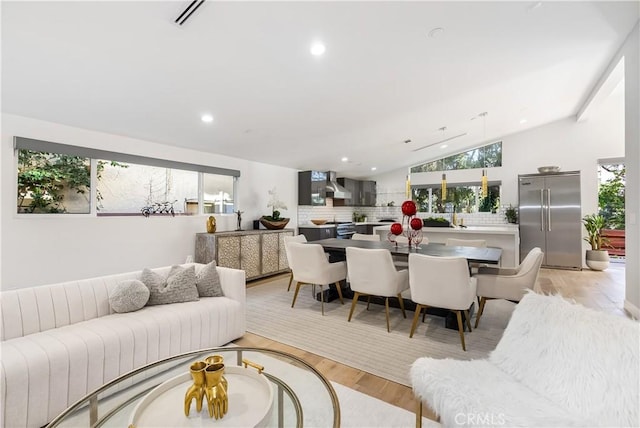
(632, 310)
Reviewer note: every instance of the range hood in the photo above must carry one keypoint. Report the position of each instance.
(334, 190)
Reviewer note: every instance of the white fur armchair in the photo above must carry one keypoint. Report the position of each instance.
(557, 364)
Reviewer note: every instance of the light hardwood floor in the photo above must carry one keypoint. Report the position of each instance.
(599, 290)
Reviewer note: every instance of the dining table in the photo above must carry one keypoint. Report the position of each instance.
(337, 248)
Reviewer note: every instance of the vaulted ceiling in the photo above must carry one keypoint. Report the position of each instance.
(392, 71)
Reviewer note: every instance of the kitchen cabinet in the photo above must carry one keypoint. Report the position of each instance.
(258, 252)
(361, 228)
(312, 187)
(354, 187)
(369, 193)
(363, 193)
(315, 233)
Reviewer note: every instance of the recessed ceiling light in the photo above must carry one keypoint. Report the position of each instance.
(207, 118)
(444, 146)
(436, 32)
(373, 168)
(523, 120)
(318, 48)
(533, 6)
(345, 159)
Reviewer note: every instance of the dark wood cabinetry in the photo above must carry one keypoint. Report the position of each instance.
(361, 228)
(317, 233)
(312, 187)
(369, 193)
(363, 193)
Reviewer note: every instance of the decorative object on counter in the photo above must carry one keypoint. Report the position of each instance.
(359, 217)
(444, 187)
(409, 208)
(511, 214)
(436, 222)
(412, 231)
(548, 169)
(239, 214)
(274, 221)
(395, 231)
(159, 208)
(211, 224)
(597, 258)
(318, 222)
(208, 381)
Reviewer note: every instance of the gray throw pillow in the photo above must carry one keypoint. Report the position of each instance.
(208, 281)
(129, 296)
(178, 287)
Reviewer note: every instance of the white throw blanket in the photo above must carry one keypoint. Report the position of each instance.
(558, 364)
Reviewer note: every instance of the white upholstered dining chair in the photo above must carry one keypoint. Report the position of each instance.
(372, 273)
(480, 243)
(441, 282)
(310, 266)
(288, 240)
(365, 237)
(508, 284)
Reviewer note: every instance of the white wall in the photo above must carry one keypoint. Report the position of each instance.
(46, 249)
(631, 52)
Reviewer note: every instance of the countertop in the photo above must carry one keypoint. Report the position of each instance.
(359, 223)
(315, 226)
(377, 223)
(506, 229)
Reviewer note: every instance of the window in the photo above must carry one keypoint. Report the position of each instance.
(481, 157)
(53, 183)
(128, 188)
(218, 193)
(460, 199)
(58, 178)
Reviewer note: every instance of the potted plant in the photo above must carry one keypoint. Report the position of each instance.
(274, 221)
(511, 214)
(597, 258)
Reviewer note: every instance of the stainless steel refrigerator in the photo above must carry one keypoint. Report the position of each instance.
(550, 217)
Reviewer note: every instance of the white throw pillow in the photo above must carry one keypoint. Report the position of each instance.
(129, 296)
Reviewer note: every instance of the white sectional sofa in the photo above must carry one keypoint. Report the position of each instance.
(62, 341)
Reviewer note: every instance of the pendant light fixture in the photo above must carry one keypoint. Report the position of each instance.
(408, 188)
(484, 180)
(444, 187)
(484, 183)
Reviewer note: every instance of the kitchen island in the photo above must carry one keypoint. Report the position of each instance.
(506, 237)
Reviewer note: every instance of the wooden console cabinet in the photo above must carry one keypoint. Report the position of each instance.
(258, 252)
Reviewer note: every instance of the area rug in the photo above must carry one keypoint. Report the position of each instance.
(364, 342)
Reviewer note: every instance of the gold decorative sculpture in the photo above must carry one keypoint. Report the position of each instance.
(209, 382)
(195, 391)
(217, 400)
(211, 224)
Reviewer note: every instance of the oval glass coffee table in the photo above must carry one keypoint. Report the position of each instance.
(301, 396)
